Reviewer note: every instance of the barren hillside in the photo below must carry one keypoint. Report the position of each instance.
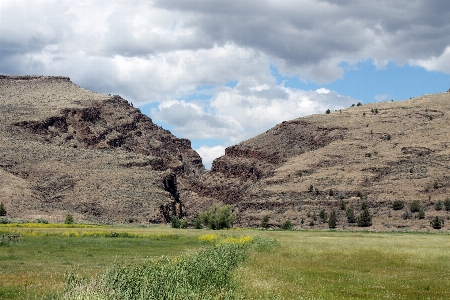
(382, 152)
(65, 149)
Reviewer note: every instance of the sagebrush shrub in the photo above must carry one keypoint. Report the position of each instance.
(175, 222)
(398, 205)
(421, 214)
(414, 206)
(438, 205)
(447, 204)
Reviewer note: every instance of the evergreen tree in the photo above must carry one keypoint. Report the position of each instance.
(332, 220)
(350, 215)
(69, 219)
(365, 219)
(437, 222)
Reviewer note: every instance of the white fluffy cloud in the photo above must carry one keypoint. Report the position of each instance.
(208, 154)
(161, 50)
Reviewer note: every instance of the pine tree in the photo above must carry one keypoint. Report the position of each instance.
(332, 220)
(365, 219)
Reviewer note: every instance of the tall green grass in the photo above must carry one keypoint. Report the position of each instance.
(204, 275)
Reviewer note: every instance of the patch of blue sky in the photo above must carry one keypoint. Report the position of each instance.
(146, 109)
(366, 83)
(231, 84)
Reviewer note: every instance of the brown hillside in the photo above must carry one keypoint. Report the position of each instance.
(65, 149)
(400, 153)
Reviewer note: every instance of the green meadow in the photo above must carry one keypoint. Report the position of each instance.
(104, 262)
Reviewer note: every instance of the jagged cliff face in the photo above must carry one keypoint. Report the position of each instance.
(66, 149)
(384, 151)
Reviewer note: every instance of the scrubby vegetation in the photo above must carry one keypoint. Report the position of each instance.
(218, 217)
(204, 275)
(398, 205)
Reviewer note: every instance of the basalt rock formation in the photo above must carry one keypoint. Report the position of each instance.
(65, 149)
(376, 153)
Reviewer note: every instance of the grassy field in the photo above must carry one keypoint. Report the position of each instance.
(305, 265)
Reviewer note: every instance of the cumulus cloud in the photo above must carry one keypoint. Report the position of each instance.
(208, 154)
(233, 115)
(164, 50)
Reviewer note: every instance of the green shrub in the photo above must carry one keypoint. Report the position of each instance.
(437, 222)
(436, 184)
(40, 220)
(184, 224)
(364, 205)
(365, 219)
(331, 193)
(175, 222)
(2, 210)
(5, 221)
(438, 205)
(198, 223)
(69, 219)
(414, 206)
(398, 205)
(342, 205)
(311, 188)
(350, 214)
(421, 214)
(359, 104)
(359, 194)
(447, 204)
(287, 225)
(332, 220)
(311, 223)
(218, 217)
(265, 222)
(328, 111)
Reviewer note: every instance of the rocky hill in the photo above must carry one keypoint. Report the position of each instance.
(376, 153)
(65, 149)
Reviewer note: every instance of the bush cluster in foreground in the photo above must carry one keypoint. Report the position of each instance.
(204, 275)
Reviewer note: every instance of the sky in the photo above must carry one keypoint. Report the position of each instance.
(220, 72)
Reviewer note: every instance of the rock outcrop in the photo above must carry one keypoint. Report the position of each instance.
(66, 149)
(377, 153)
